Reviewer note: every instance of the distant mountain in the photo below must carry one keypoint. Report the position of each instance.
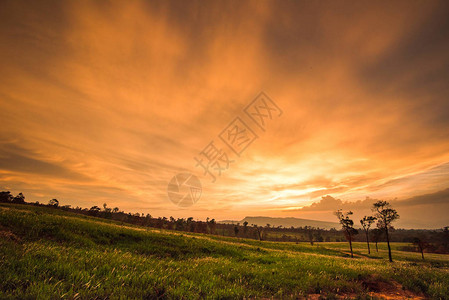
(285, 222)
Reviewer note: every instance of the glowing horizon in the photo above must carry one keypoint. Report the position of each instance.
(107, 102)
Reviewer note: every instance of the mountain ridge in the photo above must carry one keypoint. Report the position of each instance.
(286, 222)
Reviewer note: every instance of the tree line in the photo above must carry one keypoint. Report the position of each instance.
(385, 216)
(422, 240)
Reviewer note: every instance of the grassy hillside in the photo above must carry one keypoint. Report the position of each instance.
(47, 253)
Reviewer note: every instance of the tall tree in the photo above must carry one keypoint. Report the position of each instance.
(236, 229)
(106, 208)
(259, 230)
(245, 228)
(385, 216)
(366, 223)
(213, 225)
(421, 244)
(348, 226)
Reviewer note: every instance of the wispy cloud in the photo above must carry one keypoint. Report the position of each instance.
(108, 101)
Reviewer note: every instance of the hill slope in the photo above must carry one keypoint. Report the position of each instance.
(47, 253)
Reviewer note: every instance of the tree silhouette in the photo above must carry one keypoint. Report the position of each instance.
(366, 223)
(236, 230)
(348, 226)
(385, 216)
(190, 224)
(259, 230)
(106, 208)
(421, 244)
(53, 202)
(245, 228)
(6, 196)
(20, 198)
(94, 210)
(213, 225)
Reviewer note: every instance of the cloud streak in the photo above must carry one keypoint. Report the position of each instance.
(105, 102)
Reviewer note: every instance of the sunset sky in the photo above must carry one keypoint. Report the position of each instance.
(106, 101)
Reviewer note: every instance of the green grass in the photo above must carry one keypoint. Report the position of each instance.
(48, 254)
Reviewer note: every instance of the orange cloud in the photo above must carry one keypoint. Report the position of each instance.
(106, 102)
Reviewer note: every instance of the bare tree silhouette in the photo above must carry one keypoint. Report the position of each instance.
(366, 223)
(385, 216)
(348, 226)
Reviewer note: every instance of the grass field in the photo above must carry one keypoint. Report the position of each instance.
(49, 254)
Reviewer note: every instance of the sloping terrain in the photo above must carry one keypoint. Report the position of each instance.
(47, 253)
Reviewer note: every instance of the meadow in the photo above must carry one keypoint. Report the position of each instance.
(52, 254)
